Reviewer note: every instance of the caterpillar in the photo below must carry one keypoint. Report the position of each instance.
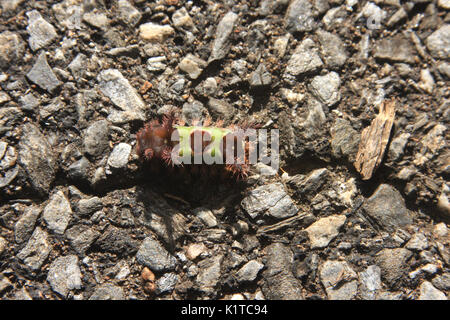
(175, 145)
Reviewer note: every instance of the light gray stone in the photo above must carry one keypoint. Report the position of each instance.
(221, 44)
(108, 291)
(57, 213)
(89, 206)
(194, 250)
(370, 280)
(428, 269)
(22, 294)
(395, 49)
(209, 273)
(10, 5)
(4, 97)
(260, 77)
(397, 146)
(299, 16)
(208, 87)
(386, 295)
(442, 282)
(78, 66)
(29, 102)
(96, 138)
(418, 242)
(79, 169)
(193, 111)
(8, 156)
(55, 106)
(332, 49)
(36, 250)
(444, 69)
(132, 51)
(240, 66)
(220, 109)
(123, 271)
(207, 217)
(157, 64)
(41, 32)
(315, 120)
(235, 259)
(324, 230)
(265, 170)
(267, 7)
(128, 13)
(339, 280)
(398, 16)
(249, 271)
(310, 184)
(42, 75)
(69, 14)
(426, 83)
(374, 15)
(155, 33)
(440, 230)
(131, 106)
(154, 256)
(438, 43)
(96, 19)
(3, 148)
(192, 65)
(429, 292)
(445, 4)
(335, 17)
(270, 199)
(64, 275)
(304, 59)
(166, 283)
(280, 45)
(345, 140)
(3, 245)
(431, 144)
(119, 156)
(326, 88)
(25, 225)
(81, 237)
(181, 18)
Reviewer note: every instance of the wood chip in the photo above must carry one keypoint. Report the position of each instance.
(374, 140)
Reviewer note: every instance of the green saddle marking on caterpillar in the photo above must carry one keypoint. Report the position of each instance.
(214, 145)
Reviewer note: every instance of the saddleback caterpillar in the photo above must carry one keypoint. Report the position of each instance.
(199, 149)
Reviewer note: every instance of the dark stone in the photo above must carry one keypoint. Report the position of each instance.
(81, 237)
(117, 241)
(387, 207)
(37, 158)
(394, 264)
(279, 282)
